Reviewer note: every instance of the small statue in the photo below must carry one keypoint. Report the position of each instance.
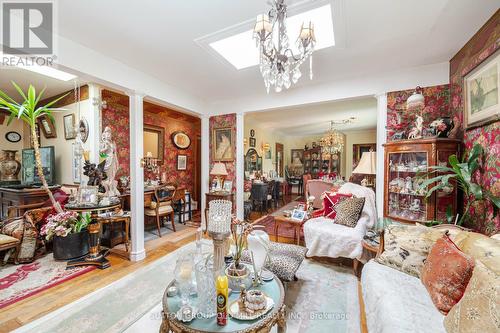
(453, 134)
(398, 136)
(416, 132)
(107, 149)
(95, 173)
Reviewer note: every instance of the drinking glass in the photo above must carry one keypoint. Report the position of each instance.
(184, 274)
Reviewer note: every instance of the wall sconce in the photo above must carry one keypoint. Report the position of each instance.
(245, 142)
(264, 147)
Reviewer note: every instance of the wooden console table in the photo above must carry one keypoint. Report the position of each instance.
(21, 196)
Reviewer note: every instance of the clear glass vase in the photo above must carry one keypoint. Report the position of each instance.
(205, 281)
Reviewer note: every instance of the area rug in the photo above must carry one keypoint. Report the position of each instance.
(18, 282)
(324, 299)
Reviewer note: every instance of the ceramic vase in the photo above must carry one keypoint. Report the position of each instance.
(9, 167)
(258, 243)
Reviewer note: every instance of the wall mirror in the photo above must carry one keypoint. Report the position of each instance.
(253, 162)
(154, 141)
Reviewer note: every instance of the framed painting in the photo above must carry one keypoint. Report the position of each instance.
(181, 162)
(47, 126)
(252, 142)
(223, 144)
(69, 127)
(481, 93)
(359, 149)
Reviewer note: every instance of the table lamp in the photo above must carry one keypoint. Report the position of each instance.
(219, 171)
(219, 228)
(367, 166)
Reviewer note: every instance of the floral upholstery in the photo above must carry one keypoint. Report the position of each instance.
(479, 308)
(446, 273)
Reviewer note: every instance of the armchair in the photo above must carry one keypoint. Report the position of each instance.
(316, 188)
(325, 238)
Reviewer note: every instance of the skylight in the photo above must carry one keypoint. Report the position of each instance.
(240, 49)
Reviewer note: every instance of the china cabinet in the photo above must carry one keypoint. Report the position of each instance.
(406, 162)
(315, 162)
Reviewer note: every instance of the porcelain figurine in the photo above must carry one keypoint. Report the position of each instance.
(416, 132)
(453, 134)
(107, 148)
(408, 185)
(415, 205)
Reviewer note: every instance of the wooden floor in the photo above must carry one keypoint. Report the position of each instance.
(29, 309)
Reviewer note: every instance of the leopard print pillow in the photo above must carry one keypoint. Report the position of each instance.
(348, 211)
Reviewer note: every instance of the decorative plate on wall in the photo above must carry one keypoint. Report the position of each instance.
(13, 136)
(181, 140)
(83, 127)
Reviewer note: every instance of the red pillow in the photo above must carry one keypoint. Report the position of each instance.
(330, 200)
(446, 273)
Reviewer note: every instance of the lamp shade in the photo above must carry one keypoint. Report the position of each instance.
(367, 164)
(219, 169)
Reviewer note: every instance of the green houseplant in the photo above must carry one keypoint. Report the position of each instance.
(462, 173)
(29, 112)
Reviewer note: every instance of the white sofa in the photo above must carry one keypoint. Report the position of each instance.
(324, 238)
(397, 302)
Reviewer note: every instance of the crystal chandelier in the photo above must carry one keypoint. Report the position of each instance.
(332, 142)
(278, 65)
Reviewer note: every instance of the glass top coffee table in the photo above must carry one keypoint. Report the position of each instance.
(276, 316)
(280, 220)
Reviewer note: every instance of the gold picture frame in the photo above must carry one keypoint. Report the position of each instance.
(482, 93)
(222, 144)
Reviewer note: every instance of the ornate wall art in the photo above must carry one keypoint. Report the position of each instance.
(181, 140)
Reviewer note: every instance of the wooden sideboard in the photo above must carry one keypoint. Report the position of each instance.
(19, 197)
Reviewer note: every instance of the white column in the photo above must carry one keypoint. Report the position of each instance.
(381, 139)
(136, 176)
(93, 116)
(240, 166)
(205, 164)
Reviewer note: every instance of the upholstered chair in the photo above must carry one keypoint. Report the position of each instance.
(161, 206)
(316, 187)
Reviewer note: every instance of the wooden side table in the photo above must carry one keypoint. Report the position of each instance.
(216, 196)
(282, 220)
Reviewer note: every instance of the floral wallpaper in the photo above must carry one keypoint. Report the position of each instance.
(437, 100)
(483, 44)
(117, 117)
(226, 120)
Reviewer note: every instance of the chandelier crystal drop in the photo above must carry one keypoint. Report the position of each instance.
(332, 142)
(278, 65)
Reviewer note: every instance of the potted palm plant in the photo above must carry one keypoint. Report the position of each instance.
(29, 112)
(462, 173)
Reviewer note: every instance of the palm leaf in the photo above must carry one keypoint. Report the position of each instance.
(19, 90)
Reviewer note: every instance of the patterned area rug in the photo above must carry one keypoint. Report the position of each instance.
(20, 281)
(324, 299)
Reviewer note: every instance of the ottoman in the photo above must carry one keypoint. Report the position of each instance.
(284, 260)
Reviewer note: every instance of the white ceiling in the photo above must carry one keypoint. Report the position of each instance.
(24, 78)
(314, 119)
(158, 38)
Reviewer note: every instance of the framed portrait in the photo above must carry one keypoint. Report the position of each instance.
(252, 142)
(181, 140)
(181, 162)
(298, 215)
(359, 149)
(69, 127)
(297, 157)
(47, 126)
(301, 206)
(481, 93)
(223, 144)
(228, 186)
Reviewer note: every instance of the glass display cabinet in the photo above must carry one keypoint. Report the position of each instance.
(406, 161)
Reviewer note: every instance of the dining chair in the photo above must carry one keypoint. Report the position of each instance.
(179, 200)
(258, 194)
(161, 206)
(271, 196)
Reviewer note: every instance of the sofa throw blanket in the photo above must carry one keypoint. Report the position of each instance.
(325, 238)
